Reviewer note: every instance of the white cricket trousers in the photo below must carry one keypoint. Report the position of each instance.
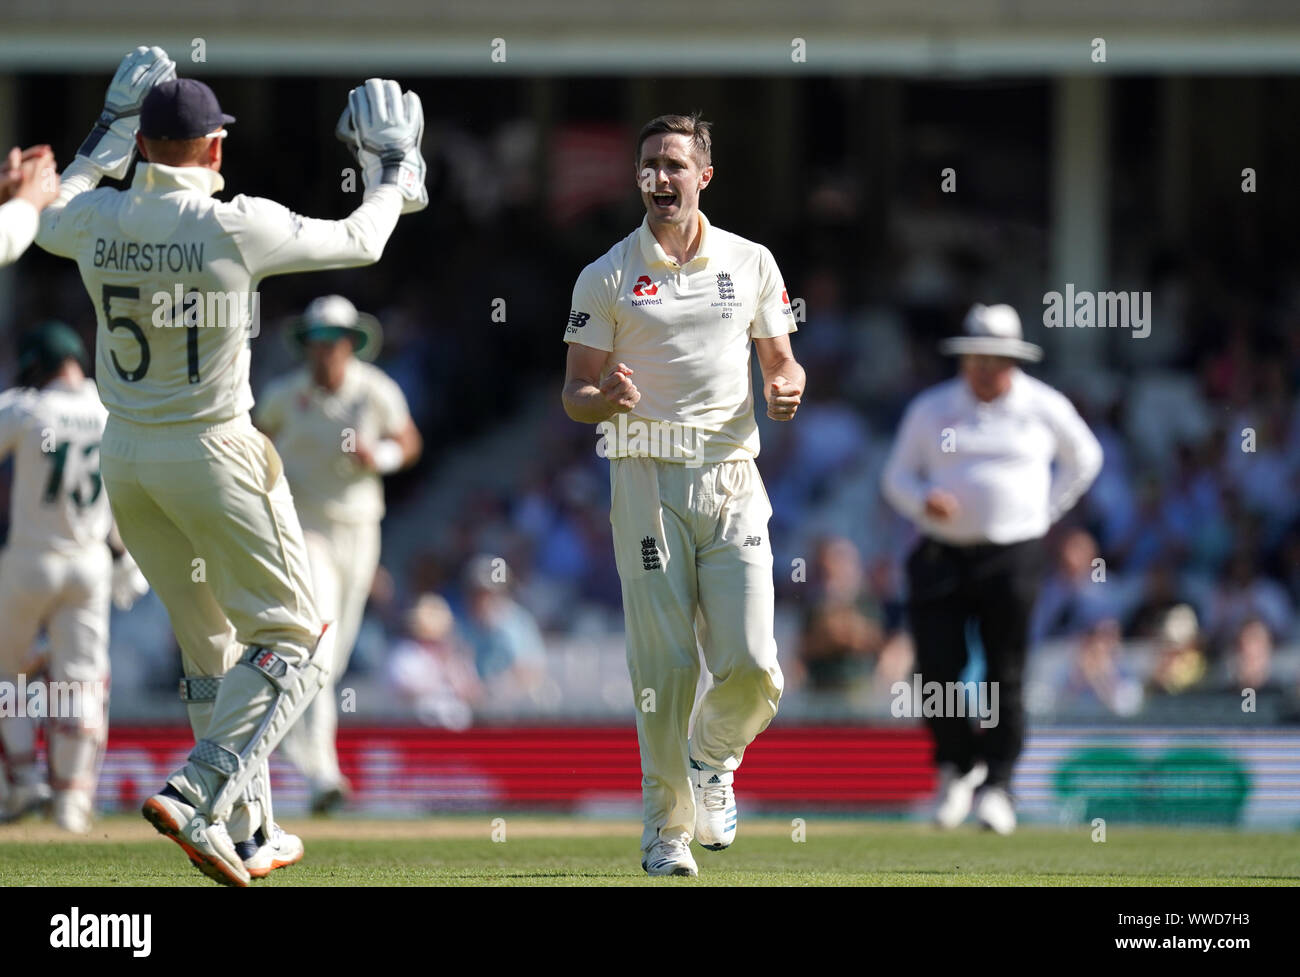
(696, 565)
(207, 514)
(66, 594)
(343, 557)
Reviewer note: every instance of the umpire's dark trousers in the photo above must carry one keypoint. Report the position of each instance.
(996, 585)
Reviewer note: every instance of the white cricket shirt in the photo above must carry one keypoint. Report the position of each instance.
(58, 501)
(18, 223)
(310, 427)
(165, 238)
(685, 331)
(996, 458)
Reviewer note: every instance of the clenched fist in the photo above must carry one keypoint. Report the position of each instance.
(782, 399)
(619, 389)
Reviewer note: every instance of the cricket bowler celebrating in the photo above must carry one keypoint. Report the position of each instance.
(340, 424)
(57, 574)
(198, 493)
(27, 185)
(659, 339)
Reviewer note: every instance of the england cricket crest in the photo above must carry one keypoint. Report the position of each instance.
(650, 554)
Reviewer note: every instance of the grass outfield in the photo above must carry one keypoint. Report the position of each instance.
(559, 851)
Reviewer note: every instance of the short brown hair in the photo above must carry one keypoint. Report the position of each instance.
(699, 132)
(176, 152)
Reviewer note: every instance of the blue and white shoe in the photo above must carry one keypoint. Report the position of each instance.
(715, 807)
(667, 857)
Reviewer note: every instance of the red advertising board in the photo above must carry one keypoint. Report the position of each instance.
(411, 770)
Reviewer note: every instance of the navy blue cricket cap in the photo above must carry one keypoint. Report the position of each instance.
(48, 345)
(183, 108)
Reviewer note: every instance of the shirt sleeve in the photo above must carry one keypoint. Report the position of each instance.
(19, 222)
(1078, 456)
(591, 316)
(773, 316)
(273, 240)
(903, 481)
(63, 222)
(394, 412)
(269, 411)
(11, 423)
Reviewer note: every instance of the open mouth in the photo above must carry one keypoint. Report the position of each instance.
(664, 198)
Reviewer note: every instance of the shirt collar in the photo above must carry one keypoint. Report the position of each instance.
(350, 380)
(1012, 397)
(157, 178)
(654, 254)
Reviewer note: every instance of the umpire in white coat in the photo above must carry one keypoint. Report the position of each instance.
(983, 465)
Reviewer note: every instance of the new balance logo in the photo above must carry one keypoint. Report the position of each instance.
(650, 554)
(577, 320)
(753, 541)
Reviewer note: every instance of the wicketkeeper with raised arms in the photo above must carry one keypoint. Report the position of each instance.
(659, 341)
(199, 494)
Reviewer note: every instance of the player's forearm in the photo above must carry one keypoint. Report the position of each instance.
(80, 177)
(1068, 486)
(903, 490)
(786, 367)
(584, 402)
(412, 445)
(1075, 472)
(368, 228)
(19, 222)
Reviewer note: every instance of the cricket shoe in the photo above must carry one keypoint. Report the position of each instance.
(715, 806)
(995, 810)
(332, 798)
(26, 799)
(670, 857)
(207, 844)
(73, 811)
(278, 849)
(957, 793)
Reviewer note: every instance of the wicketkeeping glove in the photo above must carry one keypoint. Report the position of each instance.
(384, 128)
(111, 144)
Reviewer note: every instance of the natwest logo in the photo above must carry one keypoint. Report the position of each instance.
(644, 286)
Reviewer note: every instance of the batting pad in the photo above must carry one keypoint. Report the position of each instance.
(199, 692)
(260, 698)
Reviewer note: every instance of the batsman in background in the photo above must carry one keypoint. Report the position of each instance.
(660, 331)
(340, 425)
(199, 494)
(57, 573)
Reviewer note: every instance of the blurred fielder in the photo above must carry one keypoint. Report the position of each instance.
(28, 184)
(973, 468)
(340, 425)
(56, 575)
(199, 494)
(659, 340)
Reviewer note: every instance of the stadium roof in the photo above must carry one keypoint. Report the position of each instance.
(922, 37)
